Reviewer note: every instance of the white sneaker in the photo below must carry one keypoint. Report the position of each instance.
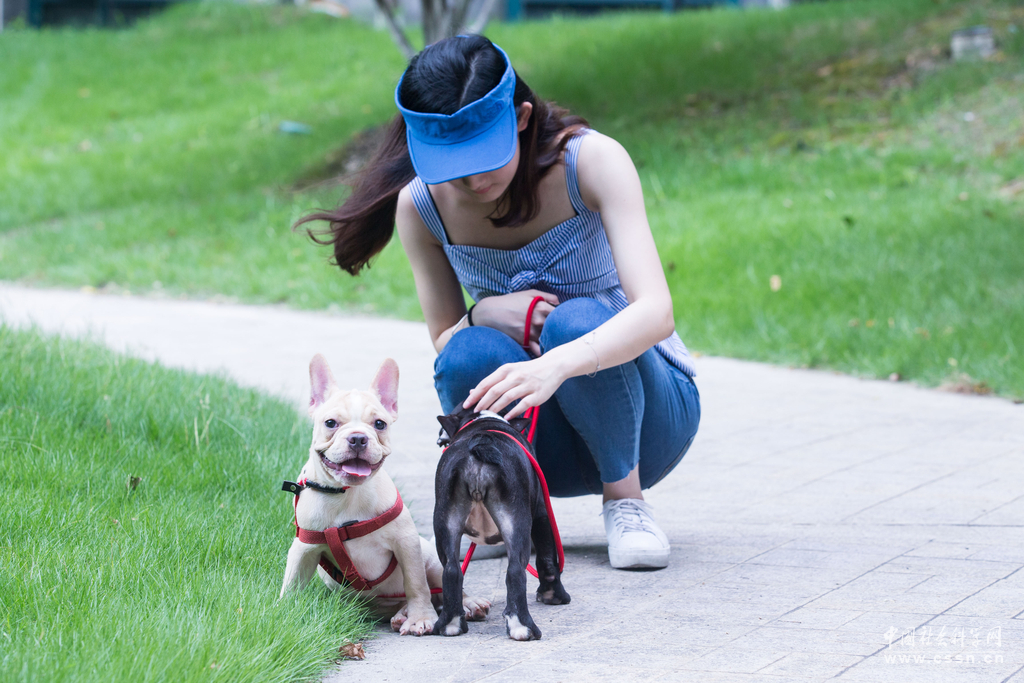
(634, 540)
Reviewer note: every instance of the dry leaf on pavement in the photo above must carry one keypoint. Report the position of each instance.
(352, 651)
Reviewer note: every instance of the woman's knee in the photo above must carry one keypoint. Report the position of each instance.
(683, 423)
(573, 319)
(469, 356)
(474, 349)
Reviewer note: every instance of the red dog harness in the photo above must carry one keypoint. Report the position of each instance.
(334, 537)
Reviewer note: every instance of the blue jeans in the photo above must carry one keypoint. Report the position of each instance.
(599, 428)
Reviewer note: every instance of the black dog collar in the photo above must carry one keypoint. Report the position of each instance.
(296, 488)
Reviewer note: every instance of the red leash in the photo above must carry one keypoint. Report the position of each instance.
(531, 414)
(529, 321)
(547, 497)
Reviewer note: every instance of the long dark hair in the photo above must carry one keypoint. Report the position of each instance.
(442, 79)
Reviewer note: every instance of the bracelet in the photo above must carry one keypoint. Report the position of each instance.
(590, 343)
(469, 315)
(459, 324)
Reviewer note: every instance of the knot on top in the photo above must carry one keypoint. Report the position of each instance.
(525, 279)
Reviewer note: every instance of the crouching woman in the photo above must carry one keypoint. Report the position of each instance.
(500, 193)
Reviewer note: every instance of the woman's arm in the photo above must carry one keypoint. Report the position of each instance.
(440, 294)
(437, 286)
(609, 184)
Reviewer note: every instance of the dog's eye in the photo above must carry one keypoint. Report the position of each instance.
(380, 425)
(330, 424)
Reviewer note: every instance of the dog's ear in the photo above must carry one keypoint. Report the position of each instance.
(450, 424)
(443, 439)
(520, 424)
(321, 381)
(385, 384)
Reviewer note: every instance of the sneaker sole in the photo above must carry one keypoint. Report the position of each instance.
(637, 560)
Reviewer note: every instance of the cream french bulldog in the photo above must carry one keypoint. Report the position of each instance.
(342, 483)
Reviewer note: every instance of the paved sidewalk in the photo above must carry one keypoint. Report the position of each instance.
(817, 517)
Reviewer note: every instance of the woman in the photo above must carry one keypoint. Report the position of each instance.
(498, 192)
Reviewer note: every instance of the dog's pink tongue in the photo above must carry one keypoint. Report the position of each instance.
(357, 467)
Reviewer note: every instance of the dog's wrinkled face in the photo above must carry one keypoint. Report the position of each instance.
(351, 428)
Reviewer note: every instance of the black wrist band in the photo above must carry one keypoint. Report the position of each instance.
(469, 315)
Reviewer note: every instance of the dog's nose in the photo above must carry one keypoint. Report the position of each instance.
(358, 441)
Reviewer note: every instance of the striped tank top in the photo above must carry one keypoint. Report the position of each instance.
(572, 259)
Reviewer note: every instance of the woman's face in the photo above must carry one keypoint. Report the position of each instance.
(488, 187)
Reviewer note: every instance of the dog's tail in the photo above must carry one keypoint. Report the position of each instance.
(482, 471)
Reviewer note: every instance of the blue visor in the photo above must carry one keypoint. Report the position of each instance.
(478, 138)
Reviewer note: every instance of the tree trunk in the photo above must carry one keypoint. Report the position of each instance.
(441, 19)
(397, 34)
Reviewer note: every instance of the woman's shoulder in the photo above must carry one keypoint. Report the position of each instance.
(408, 221)
(602, 163)
(595, 146)
(406, 210)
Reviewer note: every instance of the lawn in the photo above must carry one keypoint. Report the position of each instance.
(826, 187)
(142, 537)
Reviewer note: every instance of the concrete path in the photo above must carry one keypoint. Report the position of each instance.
(822, 526)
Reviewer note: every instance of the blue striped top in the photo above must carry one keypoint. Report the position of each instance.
(570, 260)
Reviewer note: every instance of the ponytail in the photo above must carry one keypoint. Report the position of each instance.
(360, 228)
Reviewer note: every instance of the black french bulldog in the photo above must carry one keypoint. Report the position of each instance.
(486, 488)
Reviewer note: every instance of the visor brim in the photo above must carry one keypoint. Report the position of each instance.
(487, 151)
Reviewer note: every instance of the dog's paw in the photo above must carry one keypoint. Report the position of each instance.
(476, 608)
(519, 631)
(400, 618)
(554, 594)
(417, 626)
(453, 627)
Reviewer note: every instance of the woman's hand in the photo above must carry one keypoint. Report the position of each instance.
(507, 313)
(532, 382)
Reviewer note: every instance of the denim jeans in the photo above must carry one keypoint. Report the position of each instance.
(597, 429)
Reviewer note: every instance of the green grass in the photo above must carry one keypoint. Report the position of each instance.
(176, 579)
(152, 155)
(825, 145)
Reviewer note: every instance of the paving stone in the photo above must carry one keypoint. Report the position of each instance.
(612, 672)
(879, 623)
(816, 618)
(1008, 514)
(809, 641)
(839, 565)
(736, 658)
(802, 664)
(945, 549)
(999, 553)
(1003, 598)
